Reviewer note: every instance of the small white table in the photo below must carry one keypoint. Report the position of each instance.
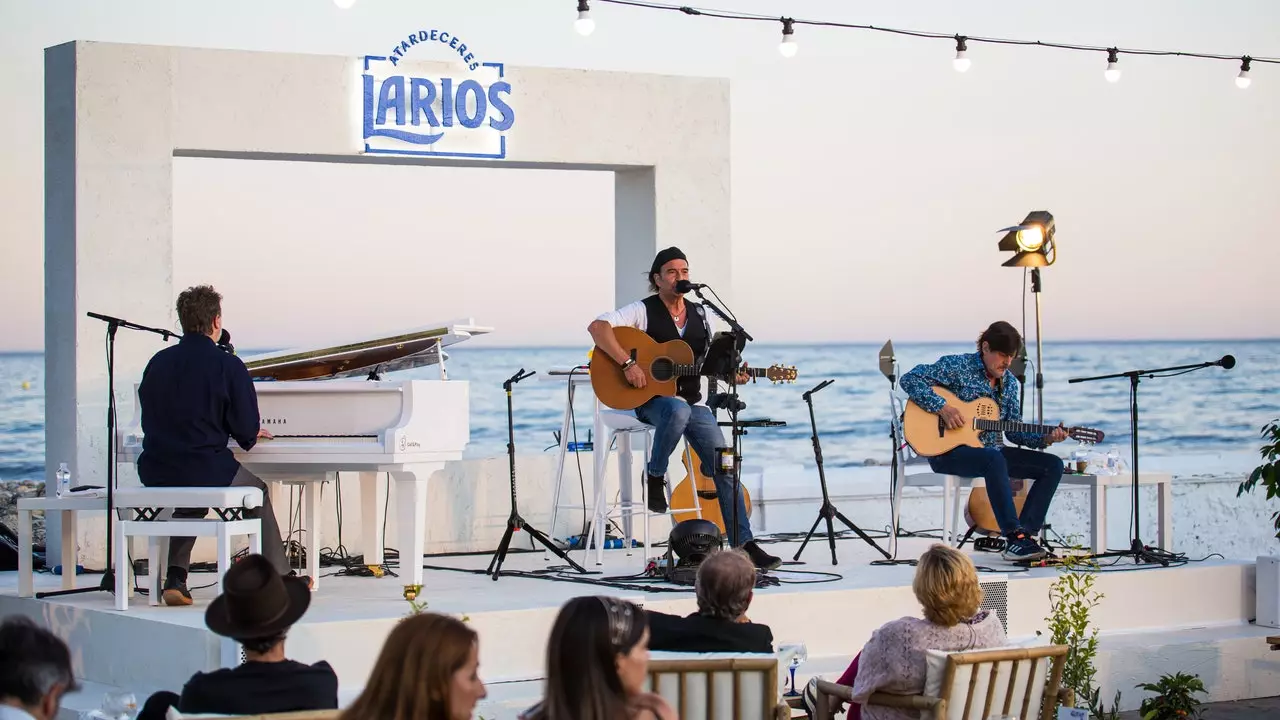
(68, 506)
(1098, 485)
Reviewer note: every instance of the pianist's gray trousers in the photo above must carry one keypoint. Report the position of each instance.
(272, 545)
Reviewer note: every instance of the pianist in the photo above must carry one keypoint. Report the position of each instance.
(194, 398)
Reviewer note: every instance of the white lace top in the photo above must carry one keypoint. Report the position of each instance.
(893, 659)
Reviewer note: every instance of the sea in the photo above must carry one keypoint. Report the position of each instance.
(1208, 410)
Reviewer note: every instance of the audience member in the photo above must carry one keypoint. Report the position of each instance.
(893, 660)
(35, 671)
(724, 586)
(428, 670)
(597, 658)
(256, 609)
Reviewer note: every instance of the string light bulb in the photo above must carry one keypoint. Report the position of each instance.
(788, 48)
(584, 24)
(961, 62)
(1112, 73)
(344, 4)
(1243, 80)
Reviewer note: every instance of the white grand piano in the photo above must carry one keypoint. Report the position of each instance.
(325, 422)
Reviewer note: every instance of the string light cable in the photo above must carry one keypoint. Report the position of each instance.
(961, 62)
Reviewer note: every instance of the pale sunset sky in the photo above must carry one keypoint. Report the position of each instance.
(868, 176)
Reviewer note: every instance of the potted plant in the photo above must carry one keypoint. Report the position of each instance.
(1173, 698)
(1269, 472)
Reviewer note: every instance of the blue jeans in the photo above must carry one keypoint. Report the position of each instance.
(996, 465)
(671, 418)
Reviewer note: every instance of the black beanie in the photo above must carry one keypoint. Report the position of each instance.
(664, 257)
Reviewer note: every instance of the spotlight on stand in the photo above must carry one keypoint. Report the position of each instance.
(692, 541)
(1033, 246)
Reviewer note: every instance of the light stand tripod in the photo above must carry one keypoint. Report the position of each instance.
(515, 522)
(1137, 550)
(108, 583)
(828, 511)
(1035, 290)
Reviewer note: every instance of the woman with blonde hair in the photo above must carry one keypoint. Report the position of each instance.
(427, 670)
(597, 658)
(893, 660)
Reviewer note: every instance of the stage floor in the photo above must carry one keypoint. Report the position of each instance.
(832, 609)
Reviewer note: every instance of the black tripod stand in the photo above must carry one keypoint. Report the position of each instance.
(828, 511)
(1137, 550)
(108, 583)
(515, 522)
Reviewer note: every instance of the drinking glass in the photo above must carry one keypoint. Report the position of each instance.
(1002, 717)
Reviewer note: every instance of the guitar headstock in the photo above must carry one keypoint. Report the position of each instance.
(1086, 435)
(781, 373)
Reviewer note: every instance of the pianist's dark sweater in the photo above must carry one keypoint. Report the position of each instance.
(194, 396)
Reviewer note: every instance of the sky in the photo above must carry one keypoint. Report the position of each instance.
(868, 177)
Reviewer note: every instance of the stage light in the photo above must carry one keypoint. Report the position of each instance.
(1112, 73)
(961, 63)
(1032, 242)
(344, 4)
(788, 47)
(1243, 80)
(584, 24)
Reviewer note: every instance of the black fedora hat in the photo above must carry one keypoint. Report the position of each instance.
(256, 601)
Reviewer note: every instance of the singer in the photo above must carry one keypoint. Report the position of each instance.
(664, 316)
(194, 398)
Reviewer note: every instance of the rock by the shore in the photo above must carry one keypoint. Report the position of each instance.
(9, 494)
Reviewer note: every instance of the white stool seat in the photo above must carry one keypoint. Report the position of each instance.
(146, 502)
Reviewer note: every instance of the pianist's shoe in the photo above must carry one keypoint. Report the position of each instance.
(176, 593)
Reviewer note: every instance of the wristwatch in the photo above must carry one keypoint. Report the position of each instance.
(627, 365)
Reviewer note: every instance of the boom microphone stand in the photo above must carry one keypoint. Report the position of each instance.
(108, 583)
(828, 511)
(1137, 550)
(515, 522)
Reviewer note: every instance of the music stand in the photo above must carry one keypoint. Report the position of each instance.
(1139, 551)
(828, 511)
(108, 583)
(514, 521)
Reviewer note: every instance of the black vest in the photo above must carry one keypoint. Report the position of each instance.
(696, 333)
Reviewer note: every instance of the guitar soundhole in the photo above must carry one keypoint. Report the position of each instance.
(662, 370)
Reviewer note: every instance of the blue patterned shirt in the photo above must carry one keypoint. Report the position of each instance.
(966, 376)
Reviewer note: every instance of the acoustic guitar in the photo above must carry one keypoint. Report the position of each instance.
(929, 437)
(696, 486)
(661, 363)
(982, 517)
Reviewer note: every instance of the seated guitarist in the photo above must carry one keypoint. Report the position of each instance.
(666, 316)
(986, 373)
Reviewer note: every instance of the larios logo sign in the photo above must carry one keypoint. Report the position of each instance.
(418, 111)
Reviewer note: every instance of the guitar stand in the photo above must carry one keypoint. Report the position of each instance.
(514, 521)
(828, 511)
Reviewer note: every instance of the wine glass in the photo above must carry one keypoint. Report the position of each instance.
(799, 653)
(998, 716)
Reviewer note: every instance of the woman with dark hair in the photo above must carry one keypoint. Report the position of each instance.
(427, 670)
(597, 658)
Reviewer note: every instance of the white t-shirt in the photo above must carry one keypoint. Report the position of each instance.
(636, 315)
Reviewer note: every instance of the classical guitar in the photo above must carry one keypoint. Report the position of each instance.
(926, 434)
(662, 364)
(698, 490)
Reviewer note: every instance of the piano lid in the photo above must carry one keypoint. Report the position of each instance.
(385, 353)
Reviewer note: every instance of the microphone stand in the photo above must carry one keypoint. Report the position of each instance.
(108, 583)
(828, 511)
(514, 521)
(1139, 551)
(739, 331)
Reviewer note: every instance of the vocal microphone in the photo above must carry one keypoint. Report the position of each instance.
(684, 286)
(224, 342)
(1227, 362)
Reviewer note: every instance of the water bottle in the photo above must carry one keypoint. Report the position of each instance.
(64, 480)
(1113, 462)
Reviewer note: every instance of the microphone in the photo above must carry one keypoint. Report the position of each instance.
(1227, 362)
(684, 286)
(224, 342)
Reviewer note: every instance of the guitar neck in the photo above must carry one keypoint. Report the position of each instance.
(688, 370)
(1017, 427)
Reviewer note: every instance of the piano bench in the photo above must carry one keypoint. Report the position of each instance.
(228, 504)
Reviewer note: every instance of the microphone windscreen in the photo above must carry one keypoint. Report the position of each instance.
(225, 338)
(683, 286)
(1228, 362)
